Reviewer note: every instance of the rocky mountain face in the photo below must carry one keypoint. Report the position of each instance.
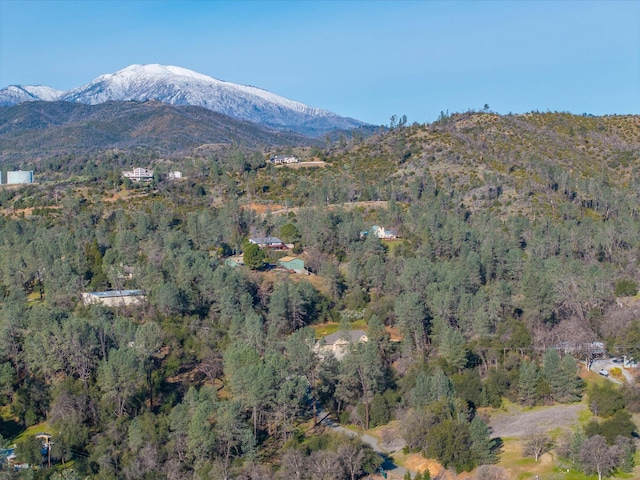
(179, 86)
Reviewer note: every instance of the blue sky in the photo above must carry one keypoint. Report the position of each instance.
(364, 59)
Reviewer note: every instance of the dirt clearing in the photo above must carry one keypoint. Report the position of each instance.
(545, 419)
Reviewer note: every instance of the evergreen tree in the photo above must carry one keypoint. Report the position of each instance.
(552, 373)
(253, 256)
(483, 446)
(453, 348)
(528, 383)
(573, 385)
(451, 443)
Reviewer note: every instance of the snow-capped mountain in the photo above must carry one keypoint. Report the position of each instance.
(14, 94)
(179, 86)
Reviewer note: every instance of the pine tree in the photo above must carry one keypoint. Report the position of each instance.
(528, 383)
(482, 443)
(573, 385)
(552, 373)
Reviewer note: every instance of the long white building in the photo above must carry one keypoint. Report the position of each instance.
(139, 174)
(19, 176)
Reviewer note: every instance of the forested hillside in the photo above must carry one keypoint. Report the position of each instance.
(518, 247)
(34, 131)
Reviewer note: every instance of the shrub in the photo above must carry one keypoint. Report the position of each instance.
(380, 413)
(626, 288)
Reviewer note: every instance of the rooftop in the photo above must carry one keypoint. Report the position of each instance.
(266, 240)
(351, 336)
(117, 293)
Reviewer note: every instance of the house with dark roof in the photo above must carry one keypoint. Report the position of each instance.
(268, 242)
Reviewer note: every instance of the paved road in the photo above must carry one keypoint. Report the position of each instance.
(388, 464)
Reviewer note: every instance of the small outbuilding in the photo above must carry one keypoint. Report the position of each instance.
(234, 262)
(292, 263)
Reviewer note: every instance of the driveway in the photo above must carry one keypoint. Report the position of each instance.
(607, 364)
(395, 471)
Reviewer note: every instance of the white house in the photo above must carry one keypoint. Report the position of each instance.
(282, 159)
(174, 175)
(338, 343)
(139, 174)
(380, 233)
(383, 234)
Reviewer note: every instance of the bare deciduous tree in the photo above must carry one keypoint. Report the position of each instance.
(293, 466)
(598, 457)
(491, 472)
(537, 444)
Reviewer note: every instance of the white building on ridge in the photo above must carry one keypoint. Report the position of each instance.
(139, 174)
(19, 176)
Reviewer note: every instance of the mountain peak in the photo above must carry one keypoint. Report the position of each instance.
(180, 86)
(155, 69)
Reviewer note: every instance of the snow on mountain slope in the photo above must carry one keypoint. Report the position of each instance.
(177, 86)
(180, 86)
(14, 94)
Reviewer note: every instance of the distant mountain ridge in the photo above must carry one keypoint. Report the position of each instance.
(33, 131)
(15, 94)
(180, 86)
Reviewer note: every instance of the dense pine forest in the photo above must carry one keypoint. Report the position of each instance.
(515, 264)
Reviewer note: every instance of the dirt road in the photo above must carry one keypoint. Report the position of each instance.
(331, 206)
(394, 471)
(518, 424)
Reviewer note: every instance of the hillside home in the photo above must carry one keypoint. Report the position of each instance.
(338, 343)
(139, 174)
(282, 159)
(268, 242)
(380, 233)
(114, 298)
(7, 455)
(174, 175)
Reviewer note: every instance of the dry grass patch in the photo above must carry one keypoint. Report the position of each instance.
(318, 282)
(262, 209)
(417, 463)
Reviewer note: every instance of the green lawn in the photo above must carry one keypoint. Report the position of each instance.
(324, 329)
